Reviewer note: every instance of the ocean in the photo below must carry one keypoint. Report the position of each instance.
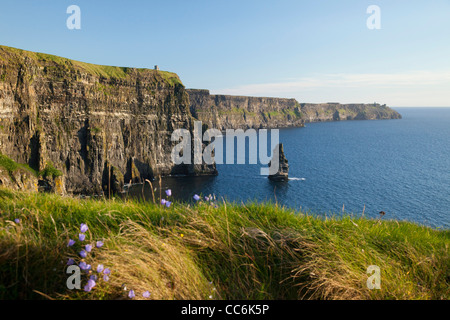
(401, 167)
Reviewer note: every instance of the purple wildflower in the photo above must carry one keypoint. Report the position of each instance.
(84, 227)
(168, 192)
(71, 243)
(87, 288)
(207, 198)
(88, 267)
(17, 220)
(99, 244)
(131, 294)
(82, 265)
(163, 201)
(99, 268)
(88, 248)
(93, 277)
(146, 294)
(107, 271)
(196, 197)
(81, 236)
(91, 283)
(105, 278)
(70, 262)
(168, 203)
(83, 254)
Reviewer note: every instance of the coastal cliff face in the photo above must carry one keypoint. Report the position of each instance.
(99, 126)
(339, 112)
(74, 127)
(226, 112)
(240, 112)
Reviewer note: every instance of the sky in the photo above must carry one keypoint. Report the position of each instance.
(314, 51)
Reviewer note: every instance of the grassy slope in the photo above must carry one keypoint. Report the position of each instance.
(246, 251)
(11, 166)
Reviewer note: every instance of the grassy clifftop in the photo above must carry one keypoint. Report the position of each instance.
(8, 54)
(211, 250)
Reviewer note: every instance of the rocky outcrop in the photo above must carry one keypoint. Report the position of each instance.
(100, 126)
(282, 173)
(18, 180)
(232, 112)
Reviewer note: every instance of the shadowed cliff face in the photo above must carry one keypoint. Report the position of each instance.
(101, 126)
(226, 112)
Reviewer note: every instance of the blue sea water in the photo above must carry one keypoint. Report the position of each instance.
(401, 167)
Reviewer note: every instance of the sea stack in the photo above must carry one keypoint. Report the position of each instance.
(283, 166)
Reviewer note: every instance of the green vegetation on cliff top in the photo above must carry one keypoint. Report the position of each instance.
(213, 251)
(94, 69)
(12, 166)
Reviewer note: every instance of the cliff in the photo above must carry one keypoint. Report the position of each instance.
(339, 112)
(85, 128)
(240, 112)
(225, 112)
(100, 126)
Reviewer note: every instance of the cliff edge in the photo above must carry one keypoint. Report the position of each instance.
(227, 112)
(100, 126)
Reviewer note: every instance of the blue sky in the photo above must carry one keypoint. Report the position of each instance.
(314, 51)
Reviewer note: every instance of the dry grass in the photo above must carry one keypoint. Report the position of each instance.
(202, 252)
(145, 261)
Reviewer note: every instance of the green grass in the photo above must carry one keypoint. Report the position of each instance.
(169, 77)
(271, 114)
(283, 113)
(103, 71)
(50, 171)
(11, 166)
(96, 130)
(251, 251)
